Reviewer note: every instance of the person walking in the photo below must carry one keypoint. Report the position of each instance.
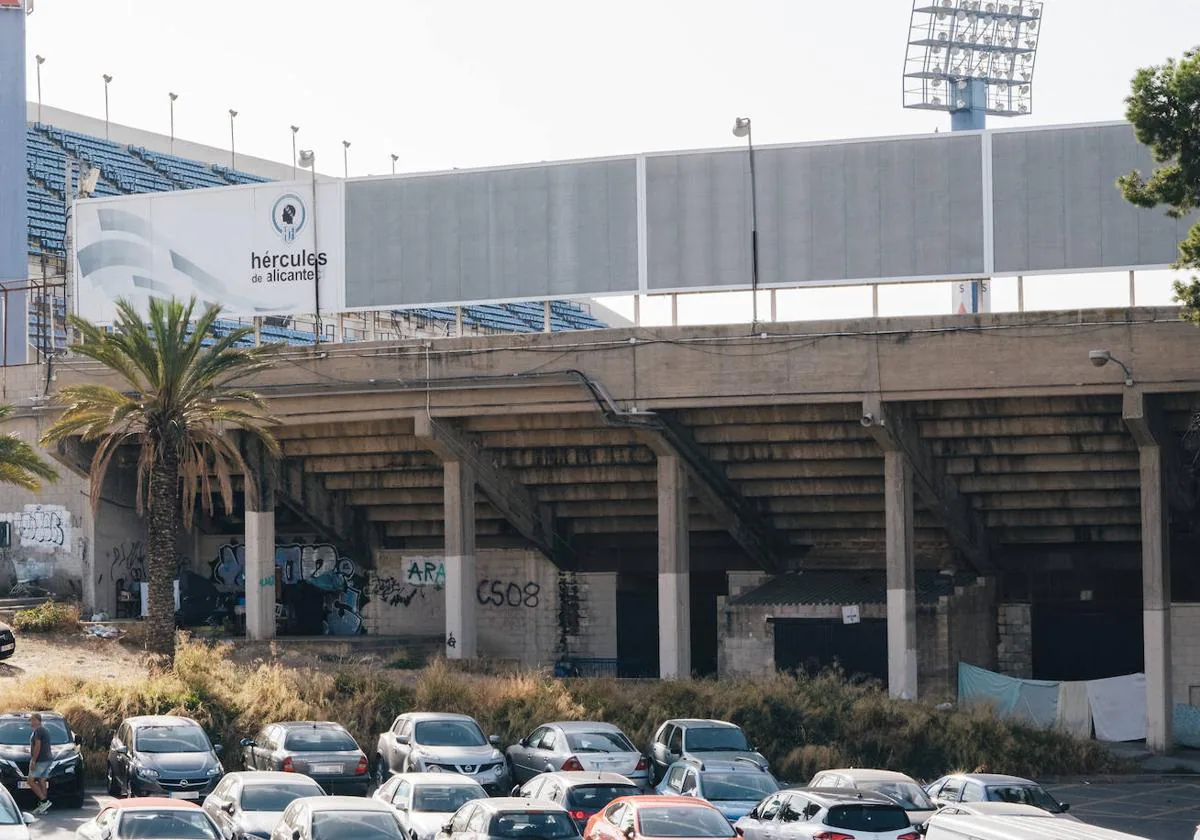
(39, 763)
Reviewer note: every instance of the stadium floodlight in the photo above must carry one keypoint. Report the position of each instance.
(987, 50)
(395, 158)
(308, 158)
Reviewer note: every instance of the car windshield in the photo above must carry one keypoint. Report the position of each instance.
(354, 825)
(544, 825)
(319, 739)
(868, 818)
(683, 821)
(449, 733)
(599, 742)
(714, 739)
(18, 731)
(172, 738)
(445, 799)
(908, 795)
(595, 797)
(176, 824)
(737, 786)
(10, 814)
(276, 796)
(1023, 795)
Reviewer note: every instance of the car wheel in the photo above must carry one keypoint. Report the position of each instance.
(382, 771)
(113, 788)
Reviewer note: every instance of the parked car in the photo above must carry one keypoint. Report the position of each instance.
(901, 789)
(995, 809)
(733, 786)
(162, 755)
(972, 827)
(509, 818)
(639, 817)
(990, 787)
(577, 745)
(14, 824)
(442, 743)
(699, 739)
(8, 641)
(826, 813)
(249, 805)
(324, 751)
(146, 817)
(583, 794)
(425, 802)
(337, 818)
(66, 768)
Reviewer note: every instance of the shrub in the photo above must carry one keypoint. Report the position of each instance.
(48, 617)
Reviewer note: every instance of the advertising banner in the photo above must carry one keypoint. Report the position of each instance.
(256, 250)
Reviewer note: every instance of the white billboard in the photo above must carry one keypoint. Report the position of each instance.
(256, 250)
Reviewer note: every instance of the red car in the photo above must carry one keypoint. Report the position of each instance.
(149, 816)
(645, 817)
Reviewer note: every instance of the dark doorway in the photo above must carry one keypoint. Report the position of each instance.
(1084, 641)
(637, 625)
(811, 644)
(705, 589)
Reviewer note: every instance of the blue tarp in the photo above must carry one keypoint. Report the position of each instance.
(1035, 701)
(1187, 726)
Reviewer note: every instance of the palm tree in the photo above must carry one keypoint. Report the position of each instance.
(20, 463)
(179, 402)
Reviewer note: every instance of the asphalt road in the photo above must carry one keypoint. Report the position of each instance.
(1158, 809)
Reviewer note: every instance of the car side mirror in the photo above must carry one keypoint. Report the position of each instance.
(218, 748)
(922, 829)
(630, 833)
(493, 739)
(78, 740)
(400, 806)
(516, 791)
(121, 750)
(28, 818)
(295, 834)
(229, 807)
(247, 742)
(402, 739)
(447, 829)
(1065, 806)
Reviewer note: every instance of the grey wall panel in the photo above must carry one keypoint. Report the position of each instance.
(1057, 207)
(566, 229)
(826, 213)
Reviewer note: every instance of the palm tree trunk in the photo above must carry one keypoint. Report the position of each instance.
(161, 562)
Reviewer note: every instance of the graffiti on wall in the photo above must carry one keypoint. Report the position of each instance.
(506, 593)
(303, 568)
(125, 562)
(40, 536)
(44, 526)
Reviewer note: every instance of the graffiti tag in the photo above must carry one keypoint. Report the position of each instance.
(500, 593)
(425, 573)
(44, 526)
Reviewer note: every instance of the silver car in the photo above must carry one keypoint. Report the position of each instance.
(993, 787)
(245, 806)
(425, 802)
(429, 742)
(325, 751)
(582, 794)
(510, 819)
(317, 817)
(578, 745)
(901, 789)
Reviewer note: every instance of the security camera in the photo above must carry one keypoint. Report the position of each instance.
(1099, 358)
(867, 419)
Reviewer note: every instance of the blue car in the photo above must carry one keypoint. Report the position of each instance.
(733, 786)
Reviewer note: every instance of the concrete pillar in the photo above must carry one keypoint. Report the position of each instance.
(459, 482)
(1156, 601)
(901, 579)
(372, 326)
(260, 575)
(547, 323)
(674, 571)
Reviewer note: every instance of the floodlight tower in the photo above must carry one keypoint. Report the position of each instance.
(972, 58)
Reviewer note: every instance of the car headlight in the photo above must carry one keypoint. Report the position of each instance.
(432, 768)
(216, 771)
(146, 772)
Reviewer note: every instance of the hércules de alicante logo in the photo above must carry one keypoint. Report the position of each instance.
(289, 218)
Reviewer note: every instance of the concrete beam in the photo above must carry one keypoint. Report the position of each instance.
(674, 570)
(895, 431)
(718, 495)
(1146, 421)
(533, 521)
(901, 576)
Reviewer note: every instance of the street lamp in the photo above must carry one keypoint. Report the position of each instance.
(172, 97)
(295, 131)
(742, 128)
(394, 159)
(346, 158)
(308, 160)
(107, 82)
(232, 146)
(1100, 358)
(40, 61)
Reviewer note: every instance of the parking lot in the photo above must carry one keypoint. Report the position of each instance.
(1160, 808)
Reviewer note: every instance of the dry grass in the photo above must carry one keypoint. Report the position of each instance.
(800, 725)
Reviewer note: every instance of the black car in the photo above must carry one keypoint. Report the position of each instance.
(66, 768)
(8, 642)
(162, 755)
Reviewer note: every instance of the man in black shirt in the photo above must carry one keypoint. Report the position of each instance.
(39, 763)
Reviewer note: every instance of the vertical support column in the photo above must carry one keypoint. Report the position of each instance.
(547, 322)
(901, 579)
(674, 571)
(372, 326)
(459, 481)
(260, 556)
(1156, 600)
(1132, 290)
(258, 330)
(458, 320)
(1020, 293)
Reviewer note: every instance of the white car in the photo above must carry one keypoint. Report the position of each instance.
(425, 802)
(820, 813)
(249, 805)
(14, 825)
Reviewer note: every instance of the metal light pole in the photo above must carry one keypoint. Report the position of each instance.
(295, 131)
(107, 82)
(308, 160)
(232, 145)
(394, 159)
(742, 128)
(173, 97)
(345, 158)
(40, 61)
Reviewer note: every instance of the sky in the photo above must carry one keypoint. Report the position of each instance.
(465, 83)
